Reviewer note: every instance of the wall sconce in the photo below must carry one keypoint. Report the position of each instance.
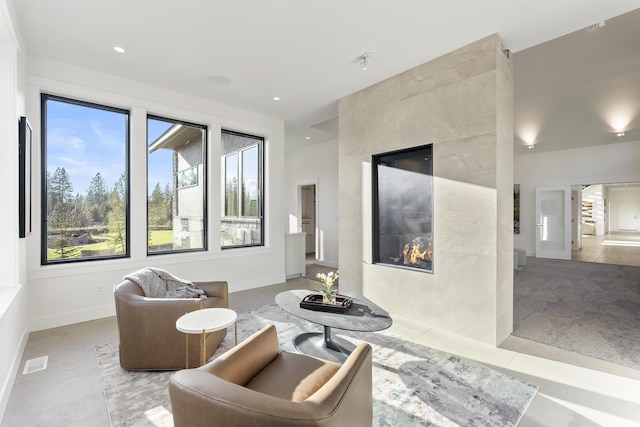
(528, 134)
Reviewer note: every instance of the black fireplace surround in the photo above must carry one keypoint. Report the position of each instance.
(403, 208)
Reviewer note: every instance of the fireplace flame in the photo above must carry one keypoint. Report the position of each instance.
(413, 255)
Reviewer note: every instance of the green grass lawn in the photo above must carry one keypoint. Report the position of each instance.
(156, 237)
(160, 237)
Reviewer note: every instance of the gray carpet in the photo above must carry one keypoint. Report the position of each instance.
(588, 308)
(413, 385)
(312, 269)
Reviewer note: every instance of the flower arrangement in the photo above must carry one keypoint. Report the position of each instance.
(327, 283)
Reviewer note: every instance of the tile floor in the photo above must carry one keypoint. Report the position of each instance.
(614, 248)
(574, 390)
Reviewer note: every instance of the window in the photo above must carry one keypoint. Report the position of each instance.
(242, 218)
(176, 196)
(85, 200)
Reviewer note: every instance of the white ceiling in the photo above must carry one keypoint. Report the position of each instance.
(580, 89)
(307, 51)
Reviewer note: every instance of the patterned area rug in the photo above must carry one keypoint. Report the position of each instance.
(413, 385)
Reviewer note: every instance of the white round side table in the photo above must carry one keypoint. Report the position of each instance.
(203, 322)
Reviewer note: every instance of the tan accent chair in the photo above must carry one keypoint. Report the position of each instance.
(255, 384)
(147, 334)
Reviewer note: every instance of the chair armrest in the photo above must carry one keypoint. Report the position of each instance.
(347, 396)
(218, 289)
(199, 399)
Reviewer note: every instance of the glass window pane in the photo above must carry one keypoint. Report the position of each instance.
(175, 186)
(231, 186)
(250, 182)
(86, 197)
(242, 222)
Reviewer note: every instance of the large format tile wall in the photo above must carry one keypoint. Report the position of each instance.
(462, 103)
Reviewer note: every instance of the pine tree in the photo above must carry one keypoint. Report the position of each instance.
(168, 197)
(117, 217)
(156, 207)
(60, 192)
(60, 187)
(97, 196)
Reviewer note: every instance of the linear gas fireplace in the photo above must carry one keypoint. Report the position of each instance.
(403, 208)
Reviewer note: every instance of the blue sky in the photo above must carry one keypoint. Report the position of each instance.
(160, 162)
(85, 141)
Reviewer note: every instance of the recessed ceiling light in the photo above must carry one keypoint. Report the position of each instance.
(308, 137)
(619, 134)
(219, 80)
(276, 98)
(118, 49)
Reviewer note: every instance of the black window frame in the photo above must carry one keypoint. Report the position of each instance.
(261, 144)
(44, 97)
(205, 180)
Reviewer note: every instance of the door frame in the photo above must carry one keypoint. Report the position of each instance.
(316, 213)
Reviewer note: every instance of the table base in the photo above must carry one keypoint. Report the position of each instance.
(203, 345)
(323, 345)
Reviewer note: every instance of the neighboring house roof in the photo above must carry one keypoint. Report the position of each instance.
(175, 137)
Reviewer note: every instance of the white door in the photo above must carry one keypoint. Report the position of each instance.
(627, 216)
(553, 222)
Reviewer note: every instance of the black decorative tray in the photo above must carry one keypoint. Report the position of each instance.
(314, 302)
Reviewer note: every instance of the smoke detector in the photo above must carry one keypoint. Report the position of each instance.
(591, 28)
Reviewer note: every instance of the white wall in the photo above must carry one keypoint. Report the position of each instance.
(317, 164)
(604, 164)
(70, 293)
(13, 299)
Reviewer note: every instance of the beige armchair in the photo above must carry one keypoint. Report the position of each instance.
(147, 334)
(255, 384)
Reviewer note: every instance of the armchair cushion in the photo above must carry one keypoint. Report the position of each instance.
(293, 376)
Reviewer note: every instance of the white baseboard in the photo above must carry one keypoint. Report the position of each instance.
(71, 317)
(5, 392)
(236, 286)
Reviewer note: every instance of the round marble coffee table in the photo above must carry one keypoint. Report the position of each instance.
(362, 316)
(203, 322)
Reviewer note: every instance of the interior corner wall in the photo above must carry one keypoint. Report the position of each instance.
(315, 164)
(462, 103)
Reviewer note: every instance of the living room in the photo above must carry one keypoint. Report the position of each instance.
(58, 295)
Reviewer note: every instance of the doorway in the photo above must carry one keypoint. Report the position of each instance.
(609, 228)
(308, 215)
